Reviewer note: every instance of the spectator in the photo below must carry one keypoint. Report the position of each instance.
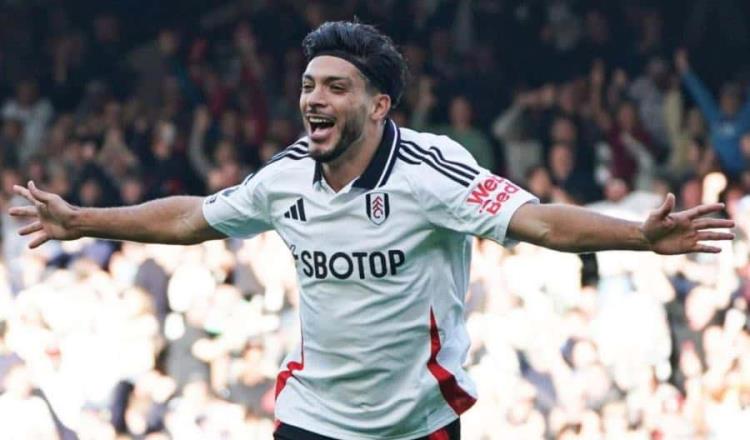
(632, 150)
(10, 141)
(34, 112)
(22, 414)
(126, 340)
(649, 92)
(727, 121)
(513, 128)
(459, 128)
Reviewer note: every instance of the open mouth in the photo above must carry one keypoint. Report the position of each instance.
(320, 126)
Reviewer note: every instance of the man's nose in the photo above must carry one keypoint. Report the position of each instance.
(316, 98)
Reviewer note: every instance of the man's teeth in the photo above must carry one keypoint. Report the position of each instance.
(317, 120)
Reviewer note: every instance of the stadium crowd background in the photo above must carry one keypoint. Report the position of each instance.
(587, 102)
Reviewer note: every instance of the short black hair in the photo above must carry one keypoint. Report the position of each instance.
(366, 47)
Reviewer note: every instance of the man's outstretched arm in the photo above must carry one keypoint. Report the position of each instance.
(575, 229)
(171, 220)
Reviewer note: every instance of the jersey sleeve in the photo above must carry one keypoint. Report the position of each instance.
(238, 211)
(475, 202)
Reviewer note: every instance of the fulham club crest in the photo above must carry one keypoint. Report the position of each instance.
(377, 207)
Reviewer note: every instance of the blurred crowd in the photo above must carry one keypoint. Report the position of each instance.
(608, 104)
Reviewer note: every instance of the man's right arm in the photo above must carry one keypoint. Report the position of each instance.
(171, 220)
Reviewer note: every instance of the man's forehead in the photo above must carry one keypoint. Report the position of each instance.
(326, 66)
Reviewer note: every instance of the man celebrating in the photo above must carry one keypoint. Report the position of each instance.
(379, 219)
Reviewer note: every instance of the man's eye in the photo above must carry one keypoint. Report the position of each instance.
(307, 87)
(337, 88)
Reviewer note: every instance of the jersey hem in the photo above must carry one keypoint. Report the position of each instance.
(358, 436)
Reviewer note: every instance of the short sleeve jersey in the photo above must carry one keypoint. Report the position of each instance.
(383, 267)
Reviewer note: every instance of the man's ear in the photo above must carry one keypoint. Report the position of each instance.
(381, 106)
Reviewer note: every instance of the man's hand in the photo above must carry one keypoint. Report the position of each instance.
(51, 215)
(669, 233)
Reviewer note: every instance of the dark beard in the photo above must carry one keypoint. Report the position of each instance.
(350, 133)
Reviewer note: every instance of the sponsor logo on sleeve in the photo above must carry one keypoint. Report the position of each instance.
(491, 193)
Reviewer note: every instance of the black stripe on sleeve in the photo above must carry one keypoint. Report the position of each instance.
(453, 162)
(294, 152)
(452, 168)
(297, 147)
(407, 160)
(429, 160)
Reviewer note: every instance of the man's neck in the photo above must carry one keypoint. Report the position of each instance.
(339, 172)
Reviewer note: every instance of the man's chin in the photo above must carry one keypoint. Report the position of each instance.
(323, 151)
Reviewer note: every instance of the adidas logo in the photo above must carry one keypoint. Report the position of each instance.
(297, 211)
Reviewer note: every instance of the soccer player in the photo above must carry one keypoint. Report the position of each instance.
(379, 219)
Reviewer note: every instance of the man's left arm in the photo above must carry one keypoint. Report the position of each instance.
(570, 228)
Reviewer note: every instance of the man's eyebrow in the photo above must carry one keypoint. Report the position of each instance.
(328, 79)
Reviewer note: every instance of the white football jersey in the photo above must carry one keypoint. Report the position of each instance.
(383, 267)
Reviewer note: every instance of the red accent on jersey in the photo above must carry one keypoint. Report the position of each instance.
(483, 195)
(291, 367)
(442, 434)
(457, 398)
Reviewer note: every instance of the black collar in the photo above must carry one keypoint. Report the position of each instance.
(379, 169)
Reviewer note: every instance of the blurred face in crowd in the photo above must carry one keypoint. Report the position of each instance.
(10, 177)
(12, 129)
(615, 418)
(561, 161)
(690, 363)
(164, 138)
(27, 93)
(268, 149)
(36, 170)
(615, 190)
(230, 124)
(730, 100)
(415, 57)
(460, 112)
(658, 71)
(584, 354)
(745, 146)
(563, 130)
(106, 28)
(695, 124)
(699, 307)
(18, 382)
(59, 181)
(539, 182)
(225, 152)
(131, 191)
(627, 117)
(90, 193)
(566, 99)
(597, 27)
(440, 43)
(284, 129)
(336, 106)
(168, 42)
(691, 193)
(696, 148)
